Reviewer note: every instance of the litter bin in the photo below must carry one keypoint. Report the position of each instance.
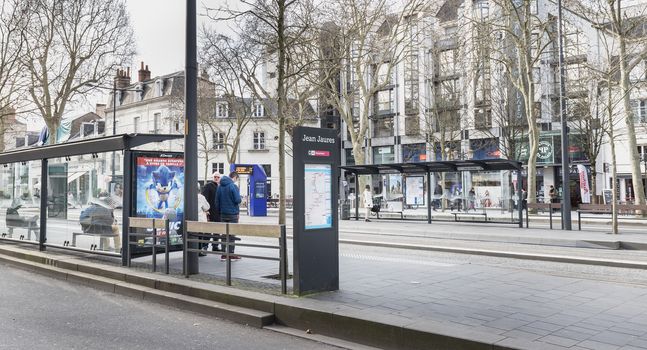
(345, 210)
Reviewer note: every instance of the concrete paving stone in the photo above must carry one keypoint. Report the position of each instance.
(561, 319)
(518, 334)
(488, 330)
(557, 340)
(641, 319)
(512, 343)
(469, 321)
(595, 327)
(545, 325)
(613, 338)
(629, 331)
(594, 345)
(573, 334)
(630, 347)
(506, 323)
(538, 331)
(638, 342)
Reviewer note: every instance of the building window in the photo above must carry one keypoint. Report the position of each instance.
(159, 88)
(258, 110)
(259, 140)
(383, 127)
(640, 110)
(414, 153)
(87, 129)
(156, 122)
(383, 155)
(219, 167)
(384, 102)
(136, 121)
(222, 110)
(447, 63)
(268, 169)
(218, 141)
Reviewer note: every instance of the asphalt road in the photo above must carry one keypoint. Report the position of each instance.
(39, 312)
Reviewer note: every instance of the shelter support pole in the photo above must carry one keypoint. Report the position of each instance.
(42, 238)
(191, 130)
(428, 197)
(127, 206)
(519, 195)
(356, 197)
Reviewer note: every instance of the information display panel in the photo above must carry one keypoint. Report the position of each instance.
(415, 189)
(318, 199)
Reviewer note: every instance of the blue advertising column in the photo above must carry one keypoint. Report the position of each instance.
(257, 187)
(316, 230)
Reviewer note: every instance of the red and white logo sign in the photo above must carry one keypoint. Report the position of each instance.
(313, 153)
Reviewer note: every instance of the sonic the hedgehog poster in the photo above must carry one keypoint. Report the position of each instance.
(159, 189)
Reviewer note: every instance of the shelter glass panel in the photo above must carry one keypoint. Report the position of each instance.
(85, 201)
(20, 200)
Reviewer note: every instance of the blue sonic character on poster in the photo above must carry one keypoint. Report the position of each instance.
(160, 185)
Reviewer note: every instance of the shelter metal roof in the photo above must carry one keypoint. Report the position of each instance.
(436, 166)
(85, 146)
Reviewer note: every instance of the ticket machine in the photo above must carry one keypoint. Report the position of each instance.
(256, 187)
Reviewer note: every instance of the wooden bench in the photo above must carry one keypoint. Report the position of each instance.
(623, 209)
(199, 231)
(542, 207)
(456, 215)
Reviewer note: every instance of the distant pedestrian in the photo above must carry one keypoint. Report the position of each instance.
(228, 200)
(471, 199)
(524, 198)
(552, 194)
(203, 207)
(438, 193)
(367, 196)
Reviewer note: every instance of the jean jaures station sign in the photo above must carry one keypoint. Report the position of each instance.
(316, 234)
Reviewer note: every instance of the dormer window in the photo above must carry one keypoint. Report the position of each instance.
(159, 88)
(118, 97)
(138, 93)
(258, 110)
(222, 110)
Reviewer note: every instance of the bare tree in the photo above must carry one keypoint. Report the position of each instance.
(276, 27)
(371, 43)
(12, 79)
(70, 44)
(520, 38)
(625, 26)
(229, 60)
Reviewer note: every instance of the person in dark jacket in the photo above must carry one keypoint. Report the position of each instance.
(209, 192)
(228, 198)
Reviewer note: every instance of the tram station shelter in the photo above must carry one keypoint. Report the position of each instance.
(483, 185)
(45, 192)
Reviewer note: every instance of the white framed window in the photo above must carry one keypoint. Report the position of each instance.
(222, 110)
(259, 140)
(218, 141)
(159, 88)
(258, 110)
(136, 122)
(640, 110)
(87, 129)
(138, 94)
(219, 167)
(157, 118)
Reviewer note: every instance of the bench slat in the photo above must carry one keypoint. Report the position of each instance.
(206, 227)
(136, 222)
(272, 231)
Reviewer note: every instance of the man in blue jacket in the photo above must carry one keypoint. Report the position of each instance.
(228, 198)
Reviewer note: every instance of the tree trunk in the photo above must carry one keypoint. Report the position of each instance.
(593, 189)
(52, 126)
(614, 196)
(636, 174)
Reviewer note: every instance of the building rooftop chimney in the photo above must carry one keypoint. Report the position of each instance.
(122, 79)
(144, 73)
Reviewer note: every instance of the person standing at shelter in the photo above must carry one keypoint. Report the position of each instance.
(367, 196)
(228, 200)
(552, 194)
(438, 194)
(209, 192)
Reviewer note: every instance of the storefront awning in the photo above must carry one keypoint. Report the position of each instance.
(74, 176)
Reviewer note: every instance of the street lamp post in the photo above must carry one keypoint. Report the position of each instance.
(566, 190)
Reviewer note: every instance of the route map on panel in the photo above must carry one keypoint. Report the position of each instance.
(318, 196)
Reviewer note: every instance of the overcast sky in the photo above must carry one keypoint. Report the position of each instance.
(159, 34)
